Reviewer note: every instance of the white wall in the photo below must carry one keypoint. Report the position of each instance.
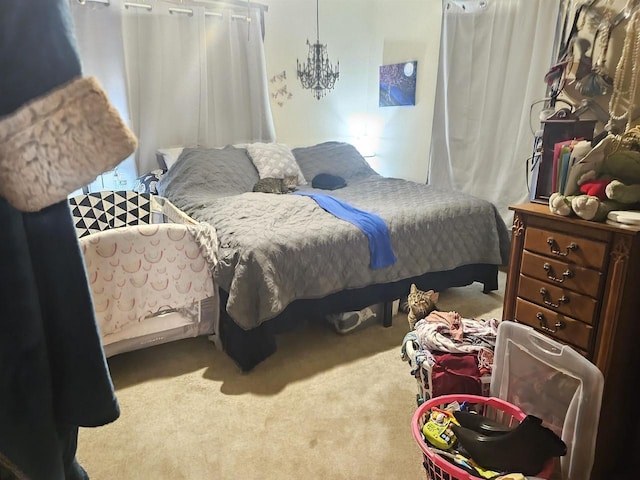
(362, 35)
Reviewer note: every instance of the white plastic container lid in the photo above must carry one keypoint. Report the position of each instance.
(628, 217)
(555, 383)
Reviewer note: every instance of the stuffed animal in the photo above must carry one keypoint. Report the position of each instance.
(615, 187)
(599, 197)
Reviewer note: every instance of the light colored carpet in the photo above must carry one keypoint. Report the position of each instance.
(325, 406)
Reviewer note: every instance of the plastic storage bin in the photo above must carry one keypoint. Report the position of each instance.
(555, 383)
(436, 466)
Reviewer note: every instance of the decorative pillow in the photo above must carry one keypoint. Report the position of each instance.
(147, 182)
(209, 173)
(274, 160)
(166, 157)
(336, 158)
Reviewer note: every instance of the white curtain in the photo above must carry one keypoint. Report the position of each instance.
(95, 22)
(236, 96)
(493, 58)
(195, 74)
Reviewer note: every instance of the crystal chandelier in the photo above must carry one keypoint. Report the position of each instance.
(317, 73)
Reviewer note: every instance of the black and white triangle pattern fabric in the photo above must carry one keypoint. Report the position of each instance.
(89, 215)
(131, 208)
(98, 211)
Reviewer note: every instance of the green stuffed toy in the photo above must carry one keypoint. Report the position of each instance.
(615, 187)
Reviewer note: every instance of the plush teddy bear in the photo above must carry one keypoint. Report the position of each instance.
(615, 187)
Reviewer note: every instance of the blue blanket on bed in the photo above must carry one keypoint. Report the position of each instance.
(371, 225)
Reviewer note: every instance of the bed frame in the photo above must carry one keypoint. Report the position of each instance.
(250, 347)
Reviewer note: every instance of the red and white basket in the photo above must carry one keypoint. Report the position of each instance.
(440, 469)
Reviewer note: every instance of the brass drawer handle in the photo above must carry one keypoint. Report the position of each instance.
(543, 324)
(573, 246)
(566, 274)
(544, 292)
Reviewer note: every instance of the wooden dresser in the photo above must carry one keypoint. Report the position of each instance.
(579, 283)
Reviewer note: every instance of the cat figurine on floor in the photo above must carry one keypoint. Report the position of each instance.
(420, 303)
(287, 184)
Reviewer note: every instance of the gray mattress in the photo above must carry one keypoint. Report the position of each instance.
(275, 249)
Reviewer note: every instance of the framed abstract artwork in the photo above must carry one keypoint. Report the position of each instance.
(398, 84)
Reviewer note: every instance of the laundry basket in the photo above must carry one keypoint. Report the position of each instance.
(436, 466)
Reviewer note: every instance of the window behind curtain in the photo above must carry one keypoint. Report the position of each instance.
(178, 79)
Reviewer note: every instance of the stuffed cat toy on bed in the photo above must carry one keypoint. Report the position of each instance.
(287, 184)
(420, 304)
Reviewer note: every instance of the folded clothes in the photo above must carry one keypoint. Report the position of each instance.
(477, 335)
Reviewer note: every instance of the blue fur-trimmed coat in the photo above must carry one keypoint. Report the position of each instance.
(53, 372)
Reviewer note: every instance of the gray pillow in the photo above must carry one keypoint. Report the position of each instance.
(274, 160)
(335, 158)
(210, 172)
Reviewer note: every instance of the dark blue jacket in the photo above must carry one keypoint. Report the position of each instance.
(53, 373)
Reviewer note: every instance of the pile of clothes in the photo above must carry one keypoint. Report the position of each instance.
(450, 354)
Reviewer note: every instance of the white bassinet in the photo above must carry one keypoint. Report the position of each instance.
(149, 267)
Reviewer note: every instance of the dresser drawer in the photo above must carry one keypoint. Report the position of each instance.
(558, 299)
(554, 324)
(569, 248)
(561, 274)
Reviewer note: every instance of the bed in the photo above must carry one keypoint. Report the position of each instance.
(283, 258)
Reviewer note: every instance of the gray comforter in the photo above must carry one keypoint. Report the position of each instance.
(275, 249)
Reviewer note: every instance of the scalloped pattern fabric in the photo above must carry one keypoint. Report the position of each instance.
(274, 160)
(140, 270)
